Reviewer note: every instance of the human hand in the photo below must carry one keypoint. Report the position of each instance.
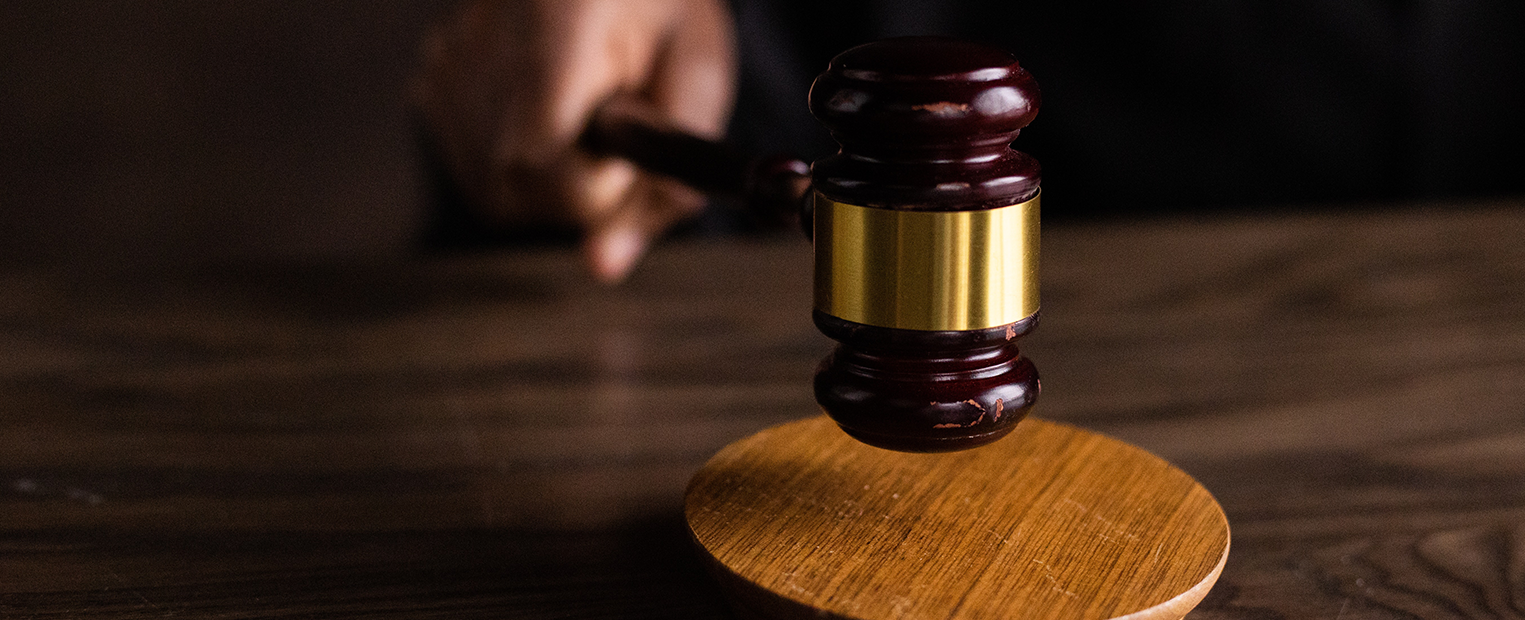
(508, 86)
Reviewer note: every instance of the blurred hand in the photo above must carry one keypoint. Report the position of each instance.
(507, 87)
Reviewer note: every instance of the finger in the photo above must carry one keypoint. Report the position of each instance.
(692, 81)
(614, 244)
(606, 46)
(694, 78)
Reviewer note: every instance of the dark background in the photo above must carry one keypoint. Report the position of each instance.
(1191, 104)
(183, 130)
(151, 130)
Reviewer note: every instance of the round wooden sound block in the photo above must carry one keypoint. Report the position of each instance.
(1052, 522)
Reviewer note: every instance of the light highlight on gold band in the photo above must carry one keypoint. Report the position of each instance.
(926, 270)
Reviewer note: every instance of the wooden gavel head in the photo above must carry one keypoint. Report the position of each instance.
(926, 243)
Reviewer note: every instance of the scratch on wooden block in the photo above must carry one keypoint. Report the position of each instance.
(1054, 583)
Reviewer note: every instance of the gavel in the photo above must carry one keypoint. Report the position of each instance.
(925, 226)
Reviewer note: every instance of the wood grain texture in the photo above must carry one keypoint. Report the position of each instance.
(1051, 522)
(496, 436)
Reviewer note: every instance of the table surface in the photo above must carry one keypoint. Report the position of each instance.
(497, 436)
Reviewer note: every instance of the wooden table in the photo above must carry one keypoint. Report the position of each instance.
(496, 436)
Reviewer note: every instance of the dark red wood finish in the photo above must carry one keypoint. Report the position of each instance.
(925, 124)
(925, 391)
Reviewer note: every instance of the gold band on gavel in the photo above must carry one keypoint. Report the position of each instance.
(926, 270)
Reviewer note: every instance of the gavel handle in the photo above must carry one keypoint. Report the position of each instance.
(773, 187)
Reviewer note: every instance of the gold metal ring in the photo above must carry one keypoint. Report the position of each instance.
(926, 270)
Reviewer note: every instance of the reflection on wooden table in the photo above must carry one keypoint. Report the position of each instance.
(497, 436)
